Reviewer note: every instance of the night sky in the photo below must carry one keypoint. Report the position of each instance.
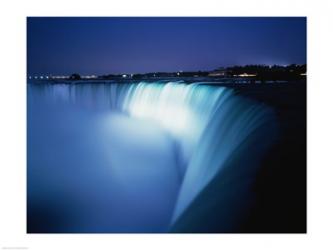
(139, 45)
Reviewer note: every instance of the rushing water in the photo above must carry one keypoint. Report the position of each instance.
(134, 157)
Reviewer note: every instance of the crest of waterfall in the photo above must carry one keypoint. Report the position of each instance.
(181, 109)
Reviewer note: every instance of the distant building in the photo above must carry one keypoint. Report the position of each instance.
(89, 77)
(221, 72)
(246, 75)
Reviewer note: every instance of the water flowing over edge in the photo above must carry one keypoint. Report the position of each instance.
(209, 123)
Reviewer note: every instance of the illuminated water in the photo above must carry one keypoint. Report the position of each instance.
(134, 157)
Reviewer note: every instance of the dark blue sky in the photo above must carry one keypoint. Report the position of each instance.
(63, 45)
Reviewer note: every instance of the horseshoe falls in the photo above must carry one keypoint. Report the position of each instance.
(142, 157)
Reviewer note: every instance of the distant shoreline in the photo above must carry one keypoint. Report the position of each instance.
(250, 73)
(186, 80)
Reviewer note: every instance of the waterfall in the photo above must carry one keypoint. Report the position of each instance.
(211, 124)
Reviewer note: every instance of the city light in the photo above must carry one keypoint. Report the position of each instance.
(246, 75)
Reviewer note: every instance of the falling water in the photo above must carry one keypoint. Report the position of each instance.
(210, 125)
